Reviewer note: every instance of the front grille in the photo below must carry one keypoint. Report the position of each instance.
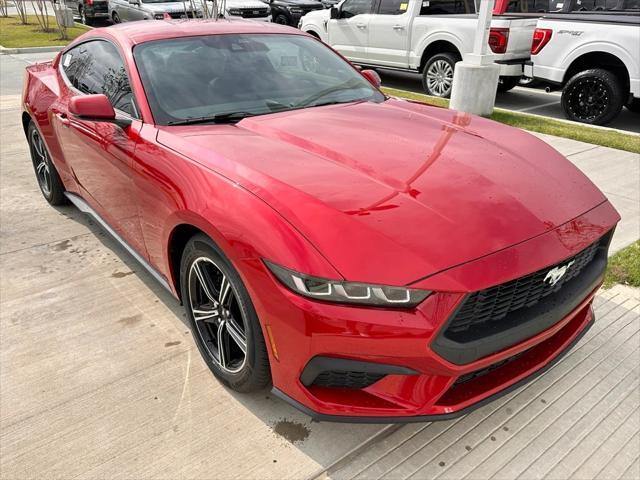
(354, 380)
(493, 304)
(485, 371)
(254, 12)
(309, 8)
(181, 15)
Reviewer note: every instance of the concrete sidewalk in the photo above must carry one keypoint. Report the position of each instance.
(99, 377)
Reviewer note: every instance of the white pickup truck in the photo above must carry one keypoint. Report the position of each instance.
(594, 58)
(420, 36)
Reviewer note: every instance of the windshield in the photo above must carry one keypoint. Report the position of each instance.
(196, 77)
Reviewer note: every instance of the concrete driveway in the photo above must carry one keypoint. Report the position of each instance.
(99, 377)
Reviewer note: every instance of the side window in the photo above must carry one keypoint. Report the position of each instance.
(96, 67)
(531, 6)
(447, 7)
(351, 8)
(393, 7)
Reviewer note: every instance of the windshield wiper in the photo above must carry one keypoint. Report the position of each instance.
(230, 117)
(348, 85)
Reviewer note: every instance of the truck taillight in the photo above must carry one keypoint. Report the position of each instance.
(88, 2)
(541, 37)
(498, 39)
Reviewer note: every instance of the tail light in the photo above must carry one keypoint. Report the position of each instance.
(88, 2)
(498, 39)
(541, 37)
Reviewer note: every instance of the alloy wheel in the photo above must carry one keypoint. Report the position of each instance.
(440, 78)
(589, 99)
(41, 163)
(217, 315)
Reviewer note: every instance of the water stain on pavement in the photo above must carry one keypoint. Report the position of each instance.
(61, 246)
(121, 274)
(291, 431)
(130, 321)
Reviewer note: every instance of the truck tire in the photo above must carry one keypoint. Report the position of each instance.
(83, 17)
(594, 96)
(437, 76)
(507, 83)
(281, 19)
(634, 105)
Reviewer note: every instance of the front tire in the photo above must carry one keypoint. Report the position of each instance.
(437, 76)
(281, 19)
(48, 179)
(115, 17)
(223, 320)
(593, 96)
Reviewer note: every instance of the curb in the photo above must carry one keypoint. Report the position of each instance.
(15, 51)
(561, 120)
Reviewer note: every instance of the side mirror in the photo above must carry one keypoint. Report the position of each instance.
(96, 108)
(334, 13)
(373, 77)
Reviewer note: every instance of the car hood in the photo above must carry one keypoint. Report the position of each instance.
(396, 191)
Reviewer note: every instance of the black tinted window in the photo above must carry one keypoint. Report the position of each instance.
(529, 6)
(351, 8)
(393, 7)
(96, 67)
(445, 7)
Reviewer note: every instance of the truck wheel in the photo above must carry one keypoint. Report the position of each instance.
(84, 19)
(634, 105)
(437, 76)
(593, 96)
(281, 19)
(507, 83)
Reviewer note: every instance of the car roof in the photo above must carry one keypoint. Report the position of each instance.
(134, 33)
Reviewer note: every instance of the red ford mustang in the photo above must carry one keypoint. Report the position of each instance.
(374, 259)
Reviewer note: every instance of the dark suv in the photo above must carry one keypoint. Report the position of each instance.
(289, 12)
(89, 10)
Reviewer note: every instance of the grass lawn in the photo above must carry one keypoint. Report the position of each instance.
(624, 267)
(535, 123)
(15, 35)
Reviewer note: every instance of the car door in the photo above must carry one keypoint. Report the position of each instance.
(349, 34)
(389, 30)
(100, 154)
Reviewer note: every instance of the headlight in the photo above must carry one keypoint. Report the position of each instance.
(233, 11)
(295, 10)
(348, 292)
(159, 16)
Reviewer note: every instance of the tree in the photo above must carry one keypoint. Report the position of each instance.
(4, 11)
(21, 7)
(42, 14)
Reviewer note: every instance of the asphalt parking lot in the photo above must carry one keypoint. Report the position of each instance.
(99, 377)
(520, 99)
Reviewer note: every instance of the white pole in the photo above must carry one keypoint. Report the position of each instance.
(482, 29)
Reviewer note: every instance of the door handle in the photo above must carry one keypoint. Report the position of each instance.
(398, 27)
(64, 120)
(361, 26)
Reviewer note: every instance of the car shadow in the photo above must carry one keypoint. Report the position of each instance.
(323, 442)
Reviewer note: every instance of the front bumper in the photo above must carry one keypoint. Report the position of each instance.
(425, 386)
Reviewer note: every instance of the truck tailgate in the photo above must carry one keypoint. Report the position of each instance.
(520, 35)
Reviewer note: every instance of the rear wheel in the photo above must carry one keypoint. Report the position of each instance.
(593, 96)
(437, 76)
(48, 179)
(83, 17)
(507, 83)
(223, 319)
(115, 17)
